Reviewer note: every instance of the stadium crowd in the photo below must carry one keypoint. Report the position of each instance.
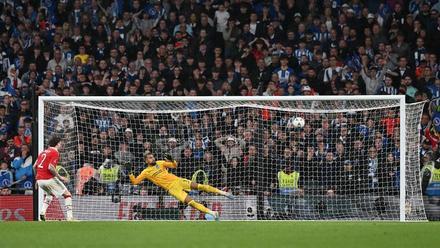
(220, 48)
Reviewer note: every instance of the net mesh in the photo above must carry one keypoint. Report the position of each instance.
(343, 164)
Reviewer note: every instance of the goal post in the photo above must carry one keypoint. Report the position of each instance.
(402, 164)
(356, 158)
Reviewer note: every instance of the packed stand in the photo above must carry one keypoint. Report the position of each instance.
(220, 48)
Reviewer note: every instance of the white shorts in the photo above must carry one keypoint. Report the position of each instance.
(52, 186)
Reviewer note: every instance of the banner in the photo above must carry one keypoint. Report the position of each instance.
(242, 208)
(153, 207)
(16, 208)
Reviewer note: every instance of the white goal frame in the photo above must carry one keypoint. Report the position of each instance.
(400, 98)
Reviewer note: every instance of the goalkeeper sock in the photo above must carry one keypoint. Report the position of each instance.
(46, 203)
(199, 207)
(68, 203)
(210, 189)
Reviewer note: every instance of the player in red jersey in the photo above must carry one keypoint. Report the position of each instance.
(49, 180)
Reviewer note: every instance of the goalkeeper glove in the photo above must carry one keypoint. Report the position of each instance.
(168, 157)
(132, 178)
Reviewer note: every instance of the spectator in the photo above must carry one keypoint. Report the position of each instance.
(340, 153)
(284, 71)
(214, 170)
(58, 60)
(388, 88)
(329, 175)
(112, 136)
(11, 83)
(426, 148)
(105, 152)
(64, 118)
(288, 186)
(129, 137)
(373, 166)
(389, 174)
(351, 178)
(430, 179)
(221, 18)
(6, 177)
(9, 150)
(5, 119)
(108, 174)
(188, 164)
(83, 176)
(23, 168)
(234, 175)
(229, 147)
(288, 180)
(104, 121)
(372, 79)
(173, 148)
(162, 136)
(198, 149)
(21, 138)
(254, 170)
(123, 156)
(434, 88)
(137, 146)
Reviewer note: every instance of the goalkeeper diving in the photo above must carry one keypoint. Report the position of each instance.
(157, 173)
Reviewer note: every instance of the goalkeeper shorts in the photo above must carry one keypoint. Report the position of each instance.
(180, 189)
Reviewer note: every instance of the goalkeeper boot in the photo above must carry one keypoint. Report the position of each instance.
(216, 215)
(230, 196)
(42, 217)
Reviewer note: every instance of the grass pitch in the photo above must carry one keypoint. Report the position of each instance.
(219, 234)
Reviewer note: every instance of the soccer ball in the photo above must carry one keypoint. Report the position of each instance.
(298, 122)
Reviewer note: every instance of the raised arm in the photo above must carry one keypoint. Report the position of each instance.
(137, 180)
(168, 164)
(169, 161)
(219, 142)
(241, 142)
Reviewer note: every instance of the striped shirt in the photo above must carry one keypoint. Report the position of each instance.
(388, 90)
(347, 75)
(414, 7)
(435, 90)
(321, 36)
(328, 73)
(419, 55)
(299, 53)
(283, 75)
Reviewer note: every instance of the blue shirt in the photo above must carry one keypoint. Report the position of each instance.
(5, 178)
(299, 53)
(284, 75)
(435, 90)
(23, 171)
(103, 123)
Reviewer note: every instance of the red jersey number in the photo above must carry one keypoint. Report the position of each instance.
(44, 160)
(42, 157)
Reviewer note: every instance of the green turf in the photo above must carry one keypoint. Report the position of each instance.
(219, 234)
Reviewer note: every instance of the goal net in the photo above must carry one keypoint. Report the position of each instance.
(354, 159)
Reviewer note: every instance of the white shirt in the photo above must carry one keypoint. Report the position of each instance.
(222, 20)
(253, 28)
(64, 117)
(328, 73)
